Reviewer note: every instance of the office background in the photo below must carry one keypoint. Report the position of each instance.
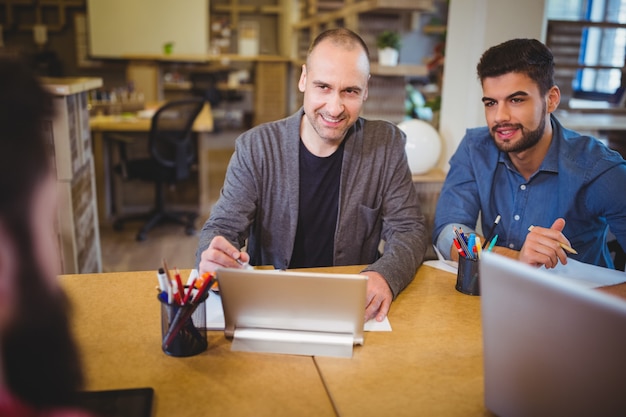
(54, 36)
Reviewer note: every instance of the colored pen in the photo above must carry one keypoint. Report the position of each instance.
(471, 241)
(162, 280)
(489, 235)
(179, 285)
(207, 280)
(565, 247)
(457, 245)
(479, 247)
(189, 291)
(462, 234)
(462, 242)
(185, 312)
(493, 243)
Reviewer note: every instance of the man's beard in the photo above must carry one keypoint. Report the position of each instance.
(39, 355)
(528, 140)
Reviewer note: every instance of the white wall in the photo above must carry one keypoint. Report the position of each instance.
(135, 27)
(473, 27)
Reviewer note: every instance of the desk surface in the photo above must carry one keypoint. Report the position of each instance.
(117, 325)
(430, 364)
(102, 123)
(431, 361)
(585, 122)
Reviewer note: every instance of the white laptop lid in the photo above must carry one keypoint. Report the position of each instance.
(293, 312)
(551, 346)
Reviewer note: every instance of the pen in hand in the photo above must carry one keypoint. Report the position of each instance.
(565, 247)
(245, 265)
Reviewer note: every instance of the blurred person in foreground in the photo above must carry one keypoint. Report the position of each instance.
(39, 364)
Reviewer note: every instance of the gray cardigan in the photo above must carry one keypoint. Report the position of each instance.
(377, 200)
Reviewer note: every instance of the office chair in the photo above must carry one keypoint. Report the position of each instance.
(172, 154)
(207, 84)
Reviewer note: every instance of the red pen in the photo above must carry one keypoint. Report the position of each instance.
(179, 284)
(189, 291)
(458, 247)
(206, 283)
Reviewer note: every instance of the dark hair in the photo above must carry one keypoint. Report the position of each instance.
(39, 356)
(526, 56)
(24, 156)
(340, 36)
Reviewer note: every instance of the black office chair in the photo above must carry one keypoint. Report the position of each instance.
(207, 84)
(172, 154)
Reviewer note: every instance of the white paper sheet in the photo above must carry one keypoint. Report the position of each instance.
(590, 276)
(448, 266)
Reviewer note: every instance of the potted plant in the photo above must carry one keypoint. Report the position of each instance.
(388, 43)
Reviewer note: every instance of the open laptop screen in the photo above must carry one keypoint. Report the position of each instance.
(552, 347)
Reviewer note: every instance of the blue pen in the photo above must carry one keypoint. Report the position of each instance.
(462, 234)
(493, 243)
(471, 242)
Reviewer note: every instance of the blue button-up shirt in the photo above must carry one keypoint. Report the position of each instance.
(580, 180)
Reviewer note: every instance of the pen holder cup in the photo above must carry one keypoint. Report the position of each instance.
(183, 328)
(467, 278)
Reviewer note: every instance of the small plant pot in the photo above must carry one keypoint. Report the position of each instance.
(388, 56)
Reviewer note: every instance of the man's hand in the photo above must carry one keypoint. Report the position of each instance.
(543, 246)
(221, 253)
(379, 296)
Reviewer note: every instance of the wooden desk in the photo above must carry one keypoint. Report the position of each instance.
(117, 325)
(610, 125)
(430, 364)
(100, 125)
(591, 122)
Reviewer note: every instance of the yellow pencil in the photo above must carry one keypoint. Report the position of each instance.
(568, 248)
(563, 245)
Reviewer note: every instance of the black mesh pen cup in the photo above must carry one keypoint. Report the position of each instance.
(183, 328)
(467, 278)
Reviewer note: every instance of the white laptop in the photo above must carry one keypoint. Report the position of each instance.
(302, 313)
(551, 346)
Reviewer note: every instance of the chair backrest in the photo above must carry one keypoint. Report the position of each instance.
(170, 141)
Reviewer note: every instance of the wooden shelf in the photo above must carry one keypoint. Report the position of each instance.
(400, 70)
(349, 10)
(434, 29)
(205, 58)
(177, 86)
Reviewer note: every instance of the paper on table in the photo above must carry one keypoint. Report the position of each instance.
(215, 313)
(442, 263)
(448, 266)
(377, 326)
(590, 276)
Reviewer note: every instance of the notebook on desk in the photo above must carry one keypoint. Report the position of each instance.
(303, 313)
(552, 347)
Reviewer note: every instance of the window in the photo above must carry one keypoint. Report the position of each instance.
(602, 48)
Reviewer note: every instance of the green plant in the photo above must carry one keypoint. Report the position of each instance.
(388, 39)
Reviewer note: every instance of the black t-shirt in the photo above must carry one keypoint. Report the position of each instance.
(319, 203)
